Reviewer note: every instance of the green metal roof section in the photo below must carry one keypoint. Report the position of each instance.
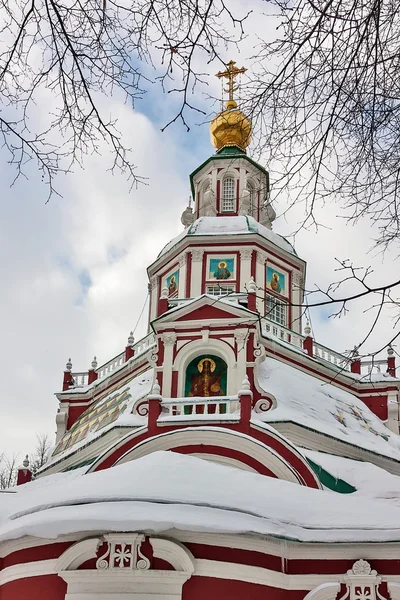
(228, 152)
(333, 483)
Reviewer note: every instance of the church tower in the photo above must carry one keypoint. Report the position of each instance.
(225, 454)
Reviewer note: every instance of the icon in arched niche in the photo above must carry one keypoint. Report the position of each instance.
(206, 376)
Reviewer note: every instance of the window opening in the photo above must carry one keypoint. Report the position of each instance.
(228, 195)
(220, 290)
(276, 310)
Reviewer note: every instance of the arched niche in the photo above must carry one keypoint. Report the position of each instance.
(216, 348)
(206, 375)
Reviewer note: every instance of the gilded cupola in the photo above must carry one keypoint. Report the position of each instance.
(231, 127)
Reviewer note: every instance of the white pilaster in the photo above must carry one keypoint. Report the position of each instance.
(197, 272)
(260, 281)
(245, 267)
(182, 275)
(169, 340)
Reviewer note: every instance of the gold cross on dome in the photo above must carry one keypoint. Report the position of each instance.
(230, 74)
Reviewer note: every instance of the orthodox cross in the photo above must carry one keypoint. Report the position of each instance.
(230, 74)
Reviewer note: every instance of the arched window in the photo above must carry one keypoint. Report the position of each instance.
(228, 195)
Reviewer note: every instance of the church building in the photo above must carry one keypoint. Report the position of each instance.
(227, 454)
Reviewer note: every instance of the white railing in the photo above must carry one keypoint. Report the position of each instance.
(82, 378)
(282, 333)
(373, 366)
(330, 356)
(144, 344)
(110, 366)
(212, 405)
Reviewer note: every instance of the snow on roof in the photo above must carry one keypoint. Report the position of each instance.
(309, 402)
(166, 490)
(114, 410)
(368, 479)
(229, 226)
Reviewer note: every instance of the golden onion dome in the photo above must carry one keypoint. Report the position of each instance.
(231, 127)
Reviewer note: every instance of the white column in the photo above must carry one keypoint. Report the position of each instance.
(241, 336)
(260, 281)
(154, 295)
(169, 340)
(297, 284)
(245, 267)
(197, 272)
(182, 275)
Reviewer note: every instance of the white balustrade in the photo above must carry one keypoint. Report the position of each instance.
(142, 346)
(80, 379)
(282, 333)
(187, 407)
(373, 365)
(328, 355)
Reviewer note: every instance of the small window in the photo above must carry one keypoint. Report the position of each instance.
(220, 290)
(228, 195)
(276, 310)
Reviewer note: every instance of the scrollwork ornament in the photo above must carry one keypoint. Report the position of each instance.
(141, 409)
(262, 405)
(103, 563)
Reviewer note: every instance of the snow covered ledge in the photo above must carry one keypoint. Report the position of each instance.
(123, 570)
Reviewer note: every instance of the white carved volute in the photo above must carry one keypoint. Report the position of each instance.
(362, 582)
(123, 552)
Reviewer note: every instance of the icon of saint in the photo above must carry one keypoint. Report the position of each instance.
(172, 286)
(206, 382)
(275, 283)
(222, 272)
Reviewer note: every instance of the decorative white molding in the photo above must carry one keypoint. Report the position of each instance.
(123, 552)
(183, 259)
(168, 338)
(394, 590)
(261, 258)
(265, 404)
(27, 570)
(246, 253)
(153, 283)
(174, 553)
(197, 254)
(241, 336)
(123, 568)
(77, 554)
(324, 591)
(362, 582)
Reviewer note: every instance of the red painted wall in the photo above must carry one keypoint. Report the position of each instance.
(210, 588)
(45, 587)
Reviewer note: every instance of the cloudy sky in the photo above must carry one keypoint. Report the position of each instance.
(73, 270)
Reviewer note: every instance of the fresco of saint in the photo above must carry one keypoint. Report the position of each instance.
(206, 382)
(172, 282)
(276, 280)
(222, 268)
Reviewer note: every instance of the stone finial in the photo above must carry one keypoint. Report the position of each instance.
(68, 366)
(251, 286)
(131, 339)
(246, 384)
(390, 350)
(25, 462)
(94, 363)
(156, 390)
(355, 352)
(307, 329)
(164, 293)
(188, 217)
